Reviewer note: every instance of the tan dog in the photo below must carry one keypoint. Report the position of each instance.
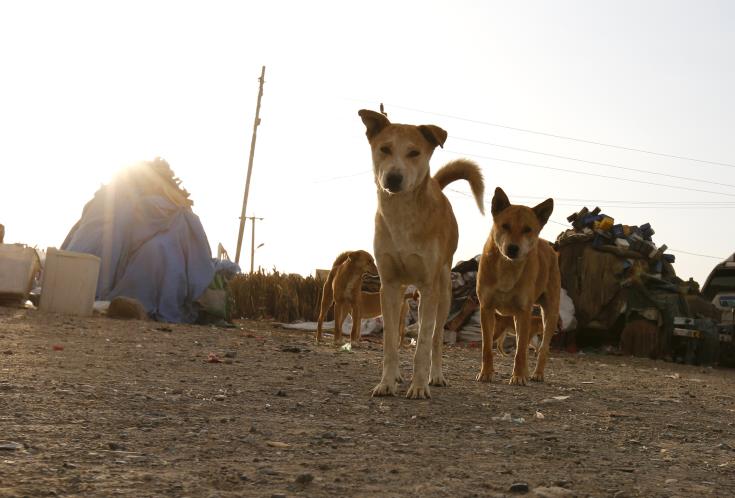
(518, 270)
(344, 287)
(415, 239)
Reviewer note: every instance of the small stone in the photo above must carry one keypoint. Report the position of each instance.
(8, 352)
(115, 446)
(229, 354)
(10, 446)
(329, 435)
(281, 393)
(304, 478)
(253, 429)
(552, 492)
(244, 478)
(519, 487)
(69, 465)
(220, 397)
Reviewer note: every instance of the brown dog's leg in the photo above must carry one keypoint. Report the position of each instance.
(488, 323)
(520, 365)
(390, 300)
(340, 312)
(550, 312)
(436, 376)
(356, 323)
(324, 308)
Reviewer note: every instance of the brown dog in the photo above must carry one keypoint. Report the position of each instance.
(350, 277)
(344, 287)
(415, 239)
(518, 270)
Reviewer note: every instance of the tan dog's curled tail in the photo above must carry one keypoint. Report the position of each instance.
(463, 169)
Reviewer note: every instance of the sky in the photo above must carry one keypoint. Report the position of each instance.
(89, 87)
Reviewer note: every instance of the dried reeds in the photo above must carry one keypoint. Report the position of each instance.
(282, 297)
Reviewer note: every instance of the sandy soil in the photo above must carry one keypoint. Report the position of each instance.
(97, 407)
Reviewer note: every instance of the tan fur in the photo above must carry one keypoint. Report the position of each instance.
(126, 308)
(517, 270)
(369, 302)
(343, 288)
(415, 239)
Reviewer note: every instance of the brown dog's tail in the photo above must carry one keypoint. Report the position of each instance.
(463, 169)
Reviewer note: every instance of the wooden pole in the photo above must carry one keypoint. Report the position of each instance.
(250, 167)
(252, 243)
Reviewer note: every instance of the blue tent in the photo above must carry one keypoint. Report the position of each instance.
(152, 246)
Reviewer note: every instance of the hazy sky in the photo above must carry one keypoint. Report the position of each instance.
(88, 87)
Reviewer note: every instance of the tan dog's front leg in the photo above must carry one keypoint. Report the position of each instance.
(488, 324)
(390, 300)
(419, 388)
(520, 365)
(437, 343)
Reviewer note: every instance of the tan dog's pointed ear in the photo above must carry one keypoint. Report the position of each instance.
(544, 210)
(500, 201)
(434, 135)
(374, 122)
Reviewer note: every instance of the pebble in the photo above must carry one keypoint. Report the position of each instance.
(10, 446)
(220, 397)
(519, 487)
(304, 478)
(281, 393)
(553, 492)
(229, 354)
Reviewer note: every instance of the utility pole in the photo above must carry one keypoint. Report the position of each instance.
(250, 168)
(252, 243)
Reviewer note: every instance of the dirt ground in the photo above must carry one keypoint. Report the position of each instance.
(97, 407)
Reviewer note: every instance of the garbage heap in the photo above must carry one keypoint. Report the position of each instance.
(624, 286)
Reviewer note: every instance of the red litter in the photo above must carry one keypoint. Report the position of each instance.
(57, 347)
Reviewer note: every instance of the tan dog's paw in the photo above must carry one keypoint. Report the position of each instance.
(484, 376)
(384, 389)
(416, 392)
(518, 380)
(438, 380)
(537, 377)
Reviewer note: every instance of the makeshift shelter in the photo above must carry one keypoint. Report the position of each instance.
(152, 246)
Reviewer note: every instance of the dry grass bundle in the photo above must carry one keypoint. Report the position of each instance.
(283, 297)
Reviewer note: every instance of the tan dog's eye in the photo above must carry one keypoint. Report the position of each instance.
(526, 229)
(413, 153)
(505, 226)
(385, 150)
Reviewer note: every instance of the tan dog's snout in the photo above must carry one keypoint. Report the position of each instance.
(392, 181)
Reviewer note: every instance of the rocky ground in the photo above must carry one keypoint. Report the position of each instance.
(97, 407)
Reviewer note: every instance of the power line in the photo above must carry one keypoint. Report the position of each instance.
(565, 137)
(671, 249)
(590, 174)
(608, 165)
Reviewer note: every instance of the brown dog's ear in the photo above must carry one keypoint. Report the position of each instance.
(434, 135)
(544, 210)
(500, 201)
(374, 122)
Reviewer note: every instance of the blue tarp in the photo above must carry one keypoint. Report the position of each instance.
(152, 248)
